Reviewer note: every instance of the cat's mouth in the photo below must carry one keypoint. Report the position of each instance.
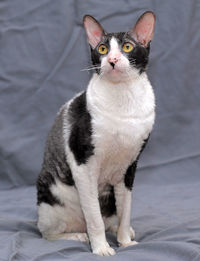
(115, 74)
(114, 67)
(115, 71)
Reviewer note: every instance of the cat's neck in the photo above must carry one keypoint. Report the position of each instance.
(119, 97)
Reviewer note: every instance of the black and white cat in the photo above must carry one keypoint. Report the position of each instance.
(84, 187)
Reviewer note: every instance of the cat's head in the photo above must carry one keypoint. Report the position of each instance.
(119, 55)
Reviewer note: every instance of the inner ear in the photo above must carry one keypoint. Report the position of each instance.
(143, 31)
(93, 29)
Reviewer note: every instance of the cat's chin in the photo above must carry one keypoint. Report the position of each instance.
(115, 75)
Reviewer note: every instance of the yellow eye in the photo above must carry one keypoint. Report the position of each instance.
(103, 49)
(127, 47)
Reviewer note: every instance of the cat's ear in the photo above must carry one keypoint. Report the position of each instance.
(143, 31)
(93, 30)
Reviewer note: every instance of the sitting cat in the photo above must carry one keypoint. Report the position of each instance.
(91, 154)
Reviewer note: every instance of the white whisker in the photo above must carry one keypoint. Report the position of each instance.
(89, 69)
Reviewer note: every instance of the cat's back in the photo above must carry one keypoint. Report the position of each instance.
(54, 162)
(71, 119)
(71, 132)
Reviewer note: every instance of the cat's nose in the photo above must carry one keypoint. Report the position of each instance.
(113, 60)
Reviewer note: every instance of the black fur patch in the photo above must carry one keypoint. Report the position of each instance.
(130, 173)
(80, 140)
(107, 202)
(138, 57)
(44, 194)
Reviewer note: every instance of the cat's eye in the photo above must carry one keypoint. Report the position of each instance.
(103, 49)
(127, 47)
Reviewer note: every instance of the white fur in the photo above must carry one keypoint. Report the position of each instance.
(122, 113)
(123, 116)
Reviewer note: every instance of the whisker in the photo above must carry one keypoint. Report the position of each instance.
(89, 69)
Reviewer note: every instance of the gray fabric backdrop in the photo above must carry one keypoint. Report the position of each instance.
(42, 51)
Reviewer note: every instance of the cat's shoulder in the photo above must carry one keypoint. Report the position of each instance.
(77, 128)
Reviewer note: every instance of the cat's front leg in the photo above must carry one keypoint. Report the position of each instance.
(125, 233)
(86, 183)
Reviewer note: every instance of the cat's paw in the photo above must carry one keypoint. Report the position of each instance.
(113, 229)
(126, 237)
(126, 244)
(104, 251)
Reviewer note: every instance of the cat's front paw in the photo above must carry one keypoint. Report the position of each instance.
(114, 229)
(105, 250)
(125, 237)
(126, 244)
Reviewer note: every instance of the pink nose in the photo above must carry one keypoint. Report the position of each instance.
(113, 60)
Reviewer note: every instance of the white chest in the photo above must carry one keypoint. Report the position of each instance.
(121, 119)
(117, 145)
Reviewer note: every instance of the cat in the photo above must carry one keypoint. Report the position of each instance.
(92, 150)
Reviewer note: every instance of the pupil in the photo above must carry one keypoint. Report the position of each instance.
(103, 48)
(127, 47)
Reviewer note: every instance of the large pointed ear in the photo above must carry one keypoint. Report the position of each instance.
(143, 31)
(93, 30)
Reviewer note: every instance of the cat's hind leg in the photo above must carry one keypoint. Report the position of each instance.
(62, 221)
(54, 226)
(68, 236)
